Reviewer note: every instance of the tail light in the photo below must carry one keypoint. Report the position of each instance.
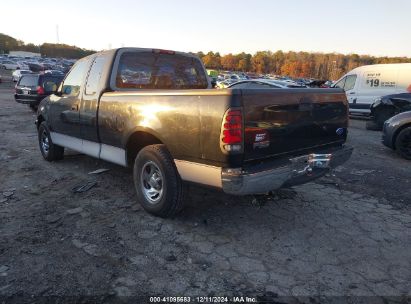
(40, 90)
(232, 131)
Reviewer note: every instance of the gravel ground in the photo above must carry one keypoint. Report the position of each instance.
(348, 234)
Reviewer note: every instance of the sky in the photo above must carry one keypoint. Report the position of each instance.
(374, 27)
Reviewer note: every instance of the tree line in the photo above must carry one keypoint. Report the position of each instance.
(325, 66)
(295, 64)
(8, 44)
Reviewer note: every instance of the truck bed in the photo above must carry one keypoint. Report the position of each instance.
(189, 121)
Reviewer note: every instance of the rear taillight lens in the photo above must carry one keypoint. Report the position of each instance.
(40, 90)
(232, 131)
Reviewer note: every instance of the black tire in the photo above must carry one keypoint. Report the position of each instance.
(372, 126)
(382, 114)
(50, 151)
(158, 185)
(403, 143)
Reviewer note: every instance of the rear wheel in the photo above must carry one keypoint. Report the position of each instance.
(158, 185)
(403, 143)
(50, 151)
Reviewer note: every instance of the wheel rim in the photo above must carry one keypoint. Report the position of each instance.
(405, 144)
(45, 145)
(151, 180)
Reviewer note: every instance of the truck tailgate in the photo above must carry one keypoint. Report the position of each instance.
(289, 121)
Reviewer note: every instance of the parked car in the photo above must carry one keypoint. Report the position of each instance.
(22, 66)
(397, 134)
(366, 83)
(54, 72)
(32, 88)
(222, 84)
(8, 65)
(36, 67)
(170, 126)
(386, 107)
(18, 73)
(263, 83)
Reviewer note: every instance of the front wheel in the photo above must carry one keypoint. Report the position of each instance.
(403, 143)
(50, 151)
(158, 185)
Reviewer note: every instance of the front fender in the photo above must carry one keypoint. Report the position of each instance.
(43, 111)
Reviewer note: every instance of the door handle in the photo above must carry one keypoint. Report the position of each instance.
(74, 107)
(352, 93)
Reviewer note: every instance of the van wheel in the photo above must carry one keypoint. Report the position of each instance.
(50, 151)
(158, 185)
(403, 143)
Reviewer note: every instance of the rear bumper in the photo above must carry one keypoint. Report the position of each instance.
(299, 170)
(33, 101)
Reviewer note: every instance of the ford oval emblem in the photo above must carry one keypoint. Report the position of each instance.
(339, 131)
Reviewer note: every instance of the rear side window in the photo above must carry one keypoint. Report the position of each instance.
(50, 84)
(28, 81)
(147, 70)
(94, 76)
(261, 85)
(242, 85)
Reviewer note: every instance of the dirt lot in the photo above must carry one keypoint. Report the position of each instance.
(347, 234)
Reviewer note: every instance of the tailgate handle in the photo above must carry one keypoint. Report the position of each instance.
(74, 107)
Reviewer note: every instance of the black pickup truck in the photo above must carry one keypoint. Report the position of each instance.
(155, 110)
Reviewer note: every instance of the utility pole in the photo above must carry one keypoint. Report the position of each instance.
(57, 34)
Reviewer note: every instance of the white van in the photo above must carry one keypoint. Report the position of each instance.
(366, 83)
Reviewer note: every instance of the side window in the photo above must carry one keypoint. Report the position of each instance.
(74, 79)
(350, 82)
(50, 84)
(261, 85)
(340, 84)
(241, 85)
(94, 76)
